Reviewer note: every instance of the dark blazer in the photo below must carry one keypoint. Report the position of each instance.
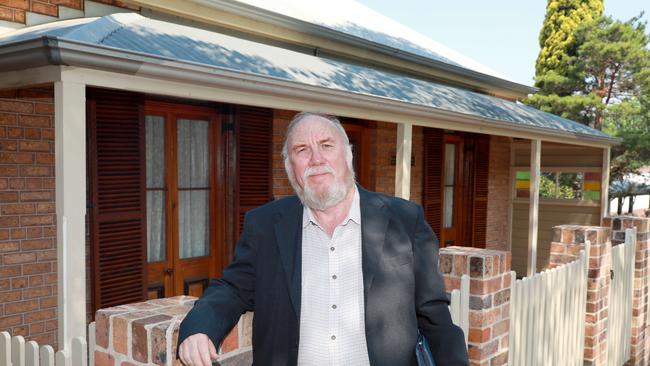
(403, 289)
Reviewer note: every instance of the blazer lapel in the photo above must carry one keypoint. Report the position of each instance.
(374, 221)
(288, 234)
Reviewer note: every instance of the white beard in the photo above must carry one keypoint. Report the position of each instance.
(330, 197)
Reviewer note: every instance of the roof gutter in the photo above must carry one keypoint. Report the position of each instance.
(47, 50)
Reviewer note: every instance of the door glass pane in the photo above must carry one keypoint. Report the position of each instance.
(194, 188)
(193, 157)
(449, 207)
(193, 229)
(155, 171)
(156, 226)
(155, 150)
(449, 178)
(450, 159)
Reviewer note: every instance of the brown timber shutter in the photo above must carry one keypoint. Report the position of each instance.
(254, 128)
(118, 201)
(481, 173)
(432, 177)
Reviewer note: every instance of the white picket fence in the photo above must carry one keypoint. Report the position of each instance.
(547, 313)
(459, 306)
(619, 320)
(14, 351)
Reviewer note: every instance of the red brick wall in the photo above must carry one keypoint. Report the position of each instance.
(14, 10)
(498, 193)
(27, 215)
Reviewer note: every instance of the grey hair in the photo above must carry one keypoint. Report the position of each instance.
(297, 119)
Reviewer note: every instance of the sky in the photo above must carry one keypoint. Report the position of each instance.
(500, 34)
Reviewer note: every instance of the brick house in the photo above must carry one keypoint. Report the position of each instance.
(135, 135)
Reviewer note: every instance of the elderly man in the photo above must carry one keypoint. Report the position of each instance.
(336, 276)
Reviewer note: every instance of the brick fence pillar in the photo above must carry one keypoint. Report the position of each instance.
(640, 349)
(568, 241)
(146, 333)
(489, 313)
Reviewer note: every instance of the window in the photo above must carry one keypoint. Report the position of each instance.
(556, 185)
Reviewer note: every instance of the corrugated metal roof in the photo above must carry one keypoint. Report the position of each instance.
(135, 33)
(360, 21)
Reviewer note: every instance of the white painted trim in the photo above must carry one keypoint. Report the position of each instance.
(563, 169)
(533, 212)
(6, 27)
(35, 76)
(554, 202)
(36, 19)
(604, 185)
(232, 87)
(70, 167)
(403, 160)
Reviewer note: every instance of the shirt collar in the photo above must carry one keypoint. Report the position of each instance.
(354, 214)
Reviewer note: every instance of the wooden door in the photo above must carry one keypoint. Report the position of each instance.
(184, 208)
(455, 186)
(453, 209)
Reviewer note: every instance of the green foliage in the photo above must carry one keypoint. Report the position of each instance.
(630, 121)
(607, 63)
(548, 188)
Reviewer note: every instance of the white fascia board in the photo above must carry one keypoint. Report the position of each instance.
(265, 91)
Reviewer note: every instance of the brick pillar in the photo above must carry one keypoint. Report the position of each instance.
(568, 241)
(146, 333)
(640, 350)
(489, 312)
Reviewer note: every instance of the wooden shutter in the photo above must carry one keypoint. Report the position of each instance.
(118, 201)
(480, 189)
(432, 178)
(254, 127)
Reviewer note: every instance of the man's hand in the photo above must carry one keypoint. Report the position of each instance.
(197, 350)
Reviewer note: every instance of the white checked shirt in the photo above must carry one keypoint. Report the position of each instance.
(332, 323)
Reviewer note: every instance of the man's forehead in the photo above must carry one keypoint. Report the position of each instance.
(314, 125)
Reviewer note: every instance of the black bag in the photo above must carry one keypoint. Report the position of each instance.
(423, 352)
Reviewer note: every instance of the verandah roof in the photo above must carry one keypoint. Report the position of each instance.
(169, 42)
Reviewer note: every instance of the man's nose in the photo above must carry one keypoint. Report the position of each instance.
(316, 157)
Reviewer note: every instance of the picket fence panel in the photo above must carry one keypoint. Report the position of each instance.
(547, 314)
(620, 301)
(459, 306)
(15, 352)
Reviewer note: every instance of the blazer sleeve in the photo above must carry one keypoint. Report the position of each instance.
(446, 340)
(226, 298)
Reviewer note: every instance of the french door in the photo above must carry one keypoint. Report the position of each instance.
(183, 208)
(453, 208)
(455, 186)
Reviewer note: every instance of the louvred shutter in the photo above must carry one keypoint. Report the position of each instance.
(432, 177)
(118, 201)
(254, 128)
(480, 201)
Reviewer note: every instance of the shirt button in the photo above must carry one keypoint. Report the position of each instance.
(334, 277)
(333, 337)
(334, 306)
(332, 249)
